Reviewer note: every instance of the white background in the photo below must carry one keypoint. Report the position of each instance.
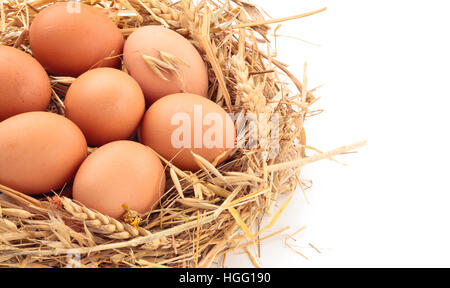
(385, 66)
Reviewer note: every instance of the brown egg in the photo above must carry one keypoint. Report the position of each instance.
(107, 104)
(39, 152)
(162, 43)
(70, 38)
(120, 173)
(180, 123)
(24, 84)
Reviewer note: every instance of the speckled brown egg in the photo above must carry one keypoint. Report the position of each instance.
(24, 84)
(69, 38)
(107, 104)
(156, 80)
(117, 174)
(178, 124)
(39, 152)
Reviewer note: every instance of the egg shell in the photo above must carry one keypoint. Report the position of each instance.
(163, 130)
(150, 41)
(120, 173)
(69, 38)
(24, 84)
(39, 152)
(107, 104)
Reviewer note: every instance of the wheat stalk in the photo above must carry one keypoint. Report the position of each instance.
(100, 223)
(201, 213)
(249, 94)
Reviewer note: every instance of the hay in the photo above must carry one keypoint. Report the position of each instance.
(202, 215)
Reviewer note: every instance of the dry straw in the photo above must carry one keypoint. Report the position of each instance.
(203, 215)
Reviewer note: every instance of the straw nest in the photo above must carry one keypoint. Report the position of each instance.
(202, 215)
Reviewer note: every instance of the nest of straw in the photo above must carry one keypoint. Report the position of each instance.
(202, 215)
